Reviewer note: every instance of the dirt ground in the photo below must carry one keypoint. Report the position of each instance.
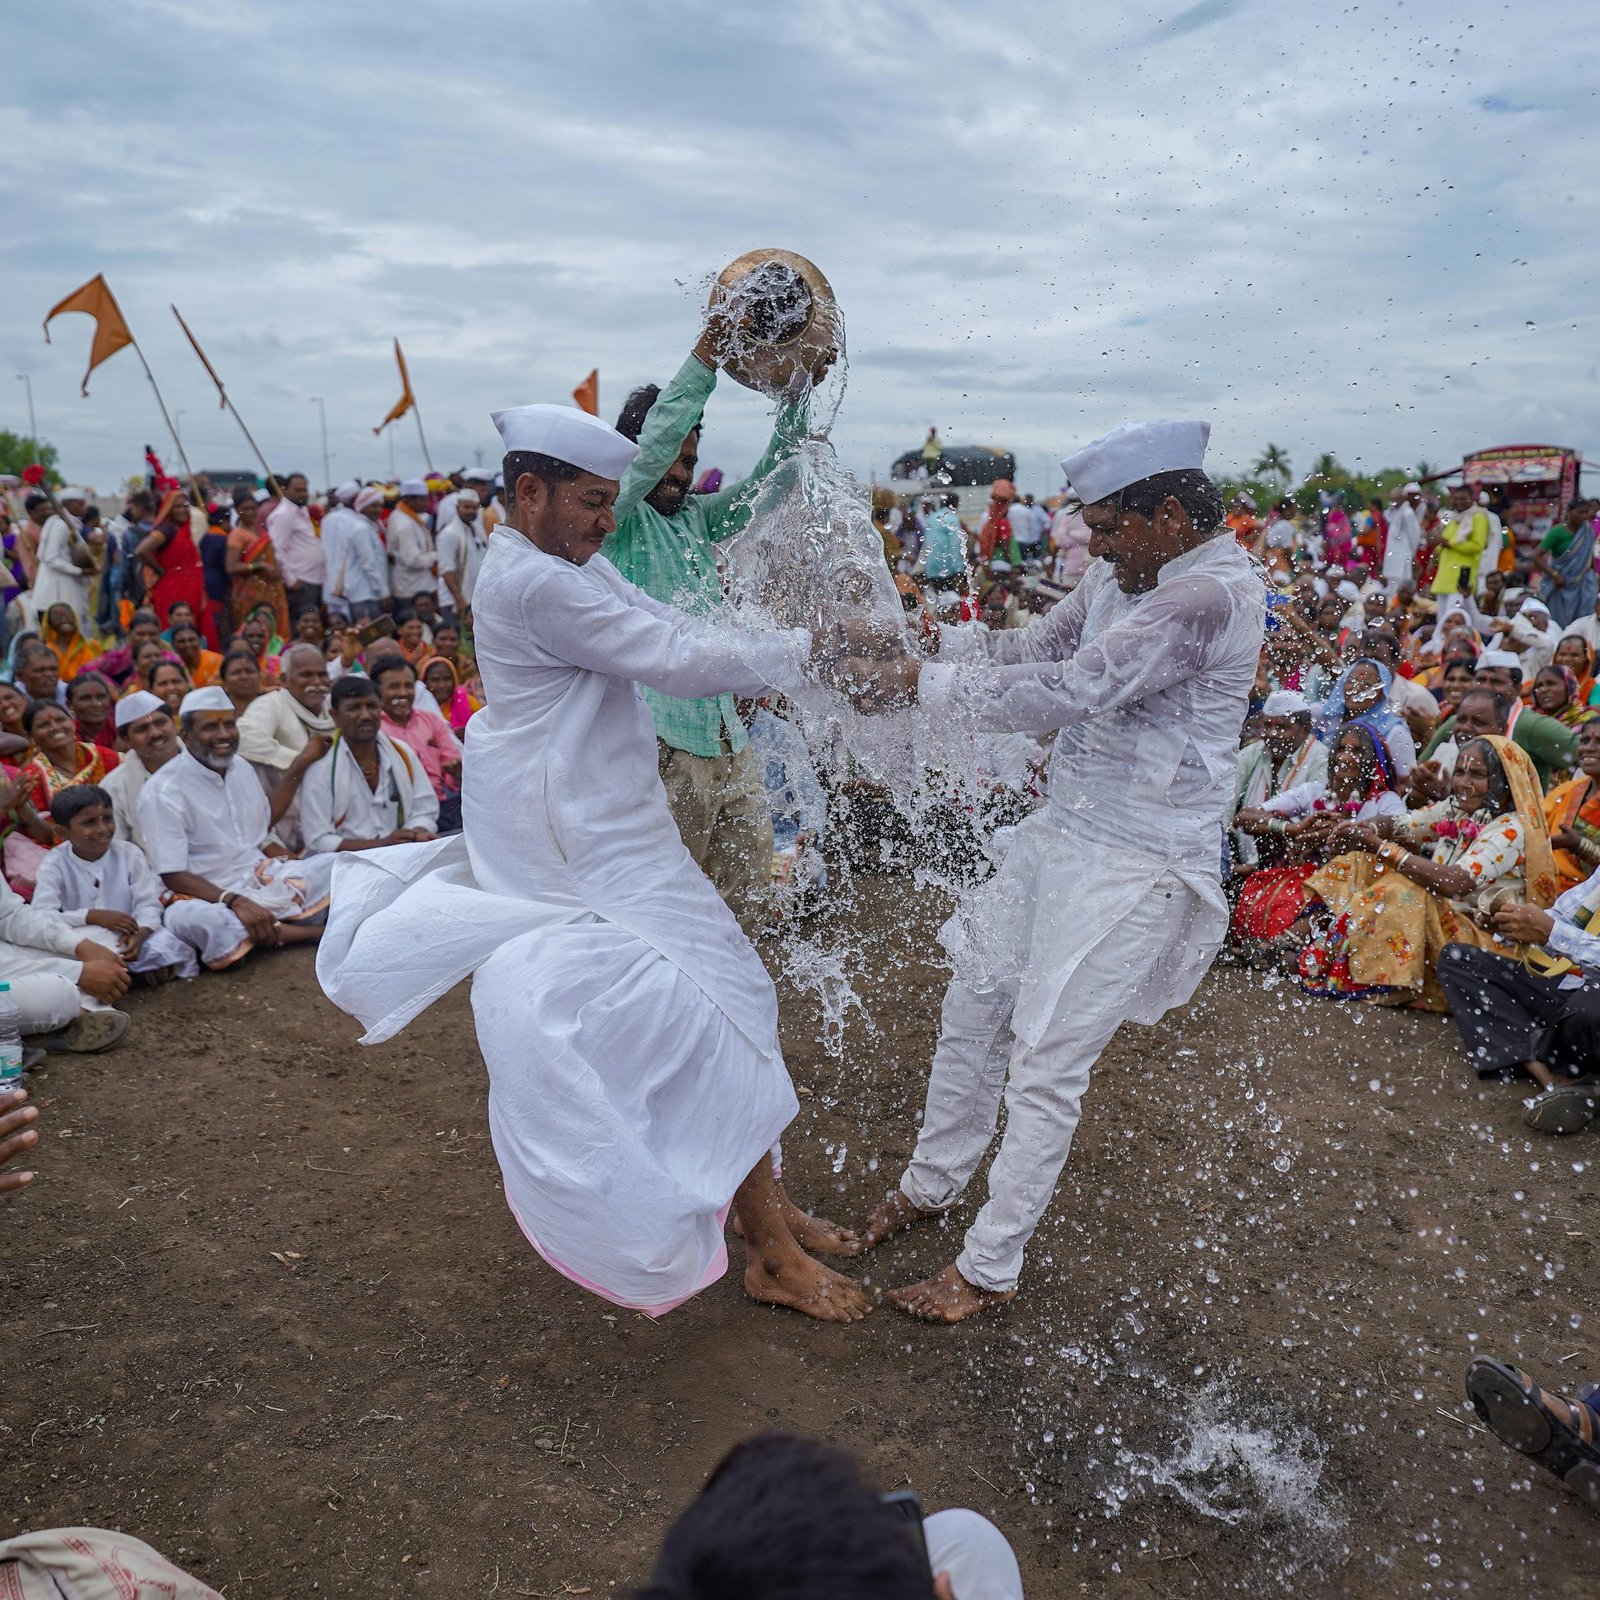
(265, 1307)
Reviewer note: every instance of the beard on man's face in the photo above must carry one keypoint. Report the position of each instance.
(667, 497)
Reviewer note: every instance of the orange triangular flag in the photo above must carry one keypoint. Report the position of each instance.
(111, 334)
(587, 394)
(406, 400)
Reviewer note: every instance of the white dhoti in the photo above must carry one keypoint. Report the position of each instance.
(293, 889)
(22, 964)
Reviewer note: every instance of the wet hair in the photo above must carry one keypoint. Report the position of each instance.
(790, 1517)
(378, 670)
(75, 798)
(1498, 797)
(1373, 762)
(520, 463)
(1190, 487)
(36, 709)
(630, 420)
(353, 686)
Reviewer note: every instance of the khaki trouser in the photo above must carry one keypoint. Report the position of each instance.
(720, 806)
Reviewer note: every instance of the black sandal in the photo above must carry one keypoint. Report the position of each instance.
(1562, 1435)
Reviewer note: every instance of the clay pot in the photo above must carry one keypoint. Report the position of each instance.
(786, 316)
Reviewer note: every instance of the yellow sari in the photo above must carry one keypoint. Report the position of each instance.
(1387, 931)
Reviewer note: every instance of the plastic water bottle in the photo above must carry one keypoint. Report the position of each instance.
(10, 1041)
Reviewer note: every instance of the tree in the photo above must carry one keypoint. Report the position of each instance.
(1326, 473)
(1273, 462)
(17, 451)
(1423, 469)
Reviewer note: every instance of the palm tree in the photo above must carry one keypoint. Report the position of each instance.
(1423, 469)
(1273, 462)
(1326, 469)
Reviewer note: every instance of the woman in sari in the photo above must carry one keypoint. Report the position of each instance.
(1566, 557)
(1572, 813)
(1338, 538)
(1408, 886)
(265, 645)
(253, 566)
(149, 655)
(1573, 653)
(90, 699)
(59, 629)
(240, 676)
(169, 683)
(201, 664)
(447, 644)
(411, 635)
(1302, 819)
(15, 745)
(1362, 695)
(1459, 678)
(1554, 692)
(63, 758)
(456, 703)
(25, 837)
(172, 562)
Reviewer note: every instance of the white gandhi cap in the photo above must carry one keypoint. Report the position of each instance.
(138, 704)
(212, 698)
(1286, 703)
(566, 434)
(1135, 450)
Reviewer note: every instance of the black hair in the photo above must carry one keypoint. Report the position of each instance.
(143, 614)
(75, 798)
(549, 471)
(29, 650)
(630, 420)
(1502, 701)
(88, 675)
(32, 502)
(36, 709)
(1498, 797)
(785, 1517)
(386, 664)
(1370, 764)
(353, 686)
(186, 627)
(405, 614)
(238, 652)
(1190, 487)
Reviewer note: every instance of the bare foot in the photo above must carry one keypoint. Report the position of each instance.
(892, 1214)
(793, 1279)
(948, 1297)
(811, 1233)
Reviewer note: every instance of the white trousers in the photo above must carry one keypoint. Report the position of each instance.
(978, 1057)
(45, 986)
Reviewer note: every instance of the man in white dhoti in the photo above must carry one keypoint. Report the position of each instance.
(205, 822)
(66, 563)
(1108, 905)
(636, 1083)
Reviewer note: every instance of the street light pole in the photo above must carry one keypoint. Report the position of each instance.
(327, 467)
(33, 427)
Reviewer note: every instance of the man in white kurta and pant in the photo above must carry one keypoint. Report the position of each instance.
(1108, 905)
(205, 820)
(66, 563)
(1404, 539)
(636, 1083)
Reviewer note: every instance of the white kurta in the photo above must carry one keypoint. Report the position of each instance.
(462, 547)
(121, 880)
(411, 554)
(215, 826)
(336, 804)
(59, 577)
(1108, 905)
(125, 783)
(1400, 549)
(629, 1029)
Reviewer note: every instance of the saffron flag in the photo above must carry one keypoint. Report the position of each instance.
(111, 334)
(587, 394)
(406, 400)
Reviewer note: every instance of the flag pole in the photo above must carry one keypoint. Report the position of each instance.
(165, 417)
(427, 455)
(227, 400)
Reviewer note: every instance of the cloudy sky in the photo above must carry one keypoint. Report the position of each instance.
(1367, 228)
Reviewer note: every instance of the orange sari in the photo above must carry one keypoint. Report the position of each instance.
(1574, 805)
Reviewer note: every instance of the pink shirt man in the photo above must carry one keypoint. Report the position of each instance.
(430, 738)
(294, 538)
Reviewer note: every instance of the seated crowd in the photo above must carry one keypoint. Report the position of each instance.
(1417, 816)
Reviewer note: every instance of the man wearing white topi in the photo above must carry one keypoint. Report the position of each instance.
(630, 1031)
(1108, 905)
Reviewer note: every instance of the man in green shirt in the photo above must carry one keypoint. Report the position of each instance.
(1551, 745)
(665, 543)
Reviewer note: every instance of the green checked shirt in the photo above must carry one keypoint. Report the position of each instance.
(671, 558)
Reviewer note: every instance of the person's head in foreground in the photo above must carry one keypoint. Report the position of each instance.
(210, 731)
(1479, 784)
(562, 471)
(83, 813)
(1145, 498)
(783, 1518)
(146, 726)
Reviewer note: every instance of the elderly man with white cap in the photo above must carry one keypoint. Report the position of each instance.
(66, 563)
(636, 1084)
(206, 823)
(1108, 904)
(413, 562)
(1404, 539)
(1287, 754)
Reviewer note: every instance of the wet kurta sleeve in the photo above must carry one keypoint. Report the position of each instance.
(604, 624)
(1166, 638)
(667, 423)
